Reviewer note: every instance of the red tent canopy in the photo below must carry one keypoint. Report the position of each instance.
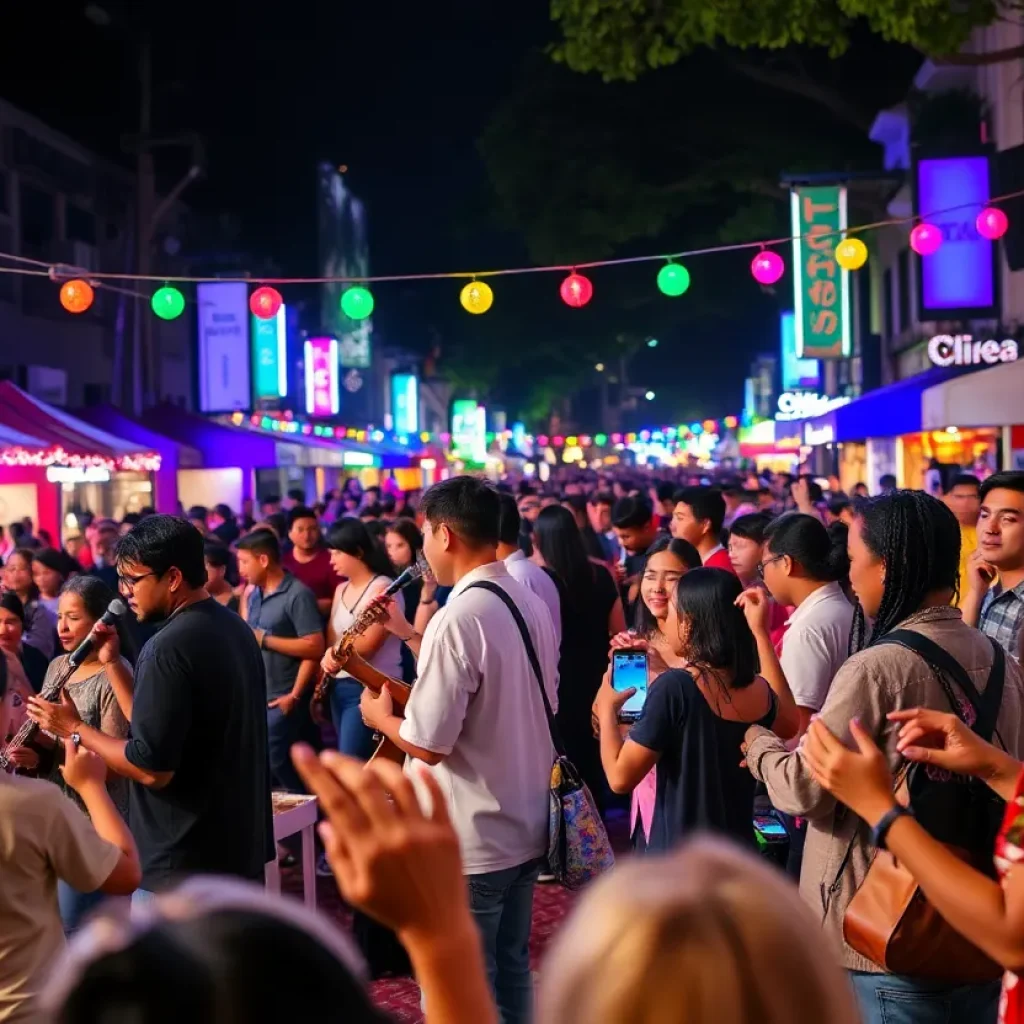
(64, 439)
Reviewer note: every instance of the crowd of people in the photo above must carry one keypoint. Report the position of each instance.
(836, 677)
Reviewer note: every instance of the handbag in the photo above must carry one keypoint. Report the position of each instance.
(578, 845)
(890, 920)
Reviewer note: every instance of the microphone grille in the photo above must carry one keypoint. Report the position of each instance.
(117, 607)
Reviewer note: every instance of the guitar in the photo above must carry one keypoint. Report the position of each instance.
(373, 679)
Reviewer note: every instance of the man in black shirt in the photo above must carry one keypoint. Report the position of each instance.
(197, 755)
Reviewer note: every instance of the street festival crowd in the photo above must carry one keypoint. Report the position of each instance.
(821, 756)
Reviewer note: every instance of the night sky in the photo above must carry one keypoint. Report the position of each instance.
(401, 95)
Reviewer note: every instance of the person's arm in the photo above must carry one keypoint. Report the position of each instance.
(113, 752)
(122, 682)
(627, 761)
(308, 647)
(378, 714)
(324, 606)
(616, 619)
(77, 856)
(790, 720)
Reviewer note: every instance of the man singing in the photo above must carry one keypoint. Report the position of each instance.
(197, 755)
(476, 716)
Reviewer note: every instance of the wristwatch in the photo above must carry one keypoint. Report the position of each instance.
(881, 830)
(76, 738)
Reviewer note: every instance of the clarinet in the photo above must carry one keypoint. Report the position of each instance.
(369, 616)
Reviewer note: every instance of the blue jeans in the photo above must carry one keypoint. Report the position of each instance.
(895, 999)
(75, 906)
(354, 738)
(283, 731)
(502, 905)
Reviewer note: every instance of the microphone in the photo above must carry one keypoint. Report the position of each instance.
(416, 571)
(114, 611)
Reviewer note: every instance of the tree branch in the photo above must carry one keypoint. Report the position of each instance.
(802, 85)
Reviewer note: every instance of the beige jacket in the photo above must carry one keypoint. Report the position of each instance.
(868, 686)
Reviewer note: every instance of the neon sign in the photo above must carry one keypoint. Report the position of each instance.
(963, 350)
(322, 398)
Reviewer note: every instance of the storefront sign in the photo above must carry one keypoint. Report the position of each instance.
(77, 474)
(269, 356)
(960, 278)
(821, 288)
(469, 430)
(805, 405)
(796, 372)
(223, 346)
(963, 350)
(405, 402)
(322, 377)
(818, 435)
(360, 460)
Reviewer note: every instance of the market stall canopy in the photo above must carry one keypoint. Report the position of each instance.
(989, 398)
(10, 438)
(111, 419)
(64, 439)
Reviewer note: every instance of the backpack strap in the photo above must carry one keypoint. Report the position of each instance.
(531, 653)
(986, 706)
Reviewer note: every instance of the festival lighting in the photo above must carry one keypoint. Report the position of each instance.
(851, 254)
(673, 280)
(576, 290)
(167, 303)
(76, 296)
(265, 302)
(357, 302)
(992, 223)
(767, 267)
(925, 239)
(476, 297)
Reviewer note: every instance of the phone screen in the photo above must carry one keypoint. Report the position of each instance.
(769, 826)
(629, 671)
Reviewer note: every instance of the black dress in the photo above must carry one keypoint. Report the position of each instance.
(700, 784)
(583, 659)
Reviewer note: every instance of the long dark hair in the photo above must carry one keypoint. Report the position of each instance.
(558, 539)
(719, 637)
(646, 624)
(410, 533)
(820, 552)
(918, 539)
(96, 596)
(352, 537)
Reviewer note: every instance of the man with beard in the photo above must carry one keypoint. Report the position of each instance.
(197, 755)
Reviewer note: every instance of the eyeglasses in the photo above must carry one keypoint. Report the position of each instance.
(129, 583)
(761, 565)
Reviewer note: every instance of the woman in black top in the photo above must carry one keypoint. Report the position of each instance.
(591, 615)
(695, 718)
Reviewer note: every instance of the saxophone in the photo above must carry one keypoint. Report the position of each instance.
(374, 612)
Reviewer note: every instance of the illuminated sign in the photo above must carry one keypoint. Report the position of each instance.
(361, 460)
(405, 402)
(322, 377)
(469, 430)
(796, 405)
(818, 435)
(223, 308)
(269, 356)
(77, 474)
(821, 288)
(963, 350)
(796, 372)
(960, 277)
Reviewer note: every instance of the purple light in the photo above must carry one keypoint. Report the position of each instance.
(322, 396)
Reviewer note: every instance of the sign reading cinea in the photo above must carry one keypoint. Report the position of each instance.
(963, 350)
(821, 288)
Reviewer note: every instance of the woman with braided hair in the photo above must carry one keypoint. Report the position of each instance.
(904, 552)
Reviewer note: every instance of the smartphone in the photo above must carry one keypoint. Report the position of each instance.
(629, 671)
(769, 827)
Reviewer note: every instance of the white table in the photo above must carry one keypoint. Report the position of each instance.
(294, 812)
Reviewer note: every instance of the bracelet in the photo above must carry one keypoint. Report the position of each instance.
(881, 830)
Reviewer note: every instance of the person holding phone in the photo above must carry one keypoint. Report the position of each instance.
(695, 717)
(667, 562)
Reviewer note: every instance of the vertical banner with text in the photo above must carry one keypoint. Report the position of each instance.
(322, 394)
(821, 288)
(269, 356)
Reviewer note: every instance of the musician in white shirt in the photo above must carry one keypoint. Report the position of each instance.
(476, 716)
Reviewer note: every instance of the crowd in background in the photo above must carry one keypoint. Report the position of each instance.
(790, 632)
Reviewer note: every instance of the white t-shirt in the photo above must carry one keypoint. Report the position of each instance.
(816, 644)
(535, 579)
(476, 701)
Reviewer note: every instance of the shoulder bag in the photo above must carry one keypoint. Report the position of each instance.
(578, 846)
(890, 920)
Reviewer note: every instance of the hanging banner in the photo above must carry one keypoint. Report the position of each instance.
(405, 405)
(469, 431)
(269, 357)
(223, 308)
(322, 395)
(821, 299)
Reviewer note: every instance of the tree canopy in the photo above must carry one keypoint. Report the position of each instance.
(621, 39)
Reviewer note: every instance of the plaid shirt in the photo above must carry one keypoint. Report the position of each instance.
(1002, 615)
